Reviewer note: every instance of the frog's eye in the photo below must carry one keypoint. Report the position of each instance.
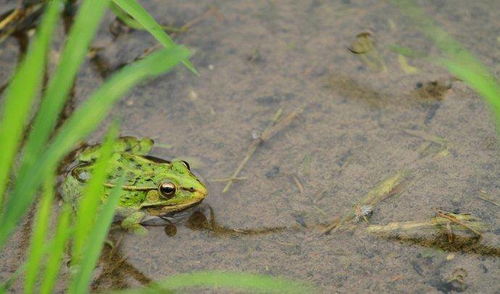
(186, 164)
(167, 189)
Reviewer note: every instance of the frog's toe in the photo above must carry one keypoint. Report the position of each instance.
(133, 223)
(135, 228)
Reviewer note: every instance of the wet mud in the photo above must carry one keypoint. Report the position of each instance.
(359, 124)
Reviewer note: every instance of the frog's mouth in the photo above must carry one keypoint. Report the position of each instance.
(169, 208)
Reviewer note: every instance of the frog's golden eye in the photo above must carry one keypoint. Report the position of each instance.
(186, 164)
(167, 189)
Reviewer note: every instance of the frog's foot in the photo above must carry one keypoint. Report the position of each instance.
(132, 223)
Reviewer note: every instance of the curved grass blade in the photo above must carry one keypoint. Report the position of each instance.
(39, 234)
(125, 18)
(137, 12)
(457, 60)
(54, 258)
(218, 279)
(81, 280)
(84, 120)
(84, 28)
(91, 198)
(22, 91)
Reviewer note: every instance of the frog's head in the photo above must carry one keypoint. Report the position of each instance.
(178, 189)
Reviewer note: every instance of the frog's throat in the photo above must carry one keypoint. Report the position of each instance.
(166, 209)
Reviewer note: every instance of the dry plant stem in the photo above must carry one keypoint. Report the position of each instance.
(298, 184)
(385, 189)
(331, 226)
(462, 221)
(453, 219)
(427, 137)
(185, 28)
(10, 18)
(228, 179)
(274, 127)
(209, 12)
(483, 195)
(488, 200)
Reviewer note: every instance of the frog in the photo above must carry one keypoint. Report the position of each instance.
(153, 187)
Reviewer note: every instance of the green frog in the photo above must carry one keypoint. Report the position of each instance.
(153, 187)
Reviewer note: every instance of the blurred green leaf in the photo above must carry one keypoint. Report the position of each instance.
(137, 12)
(229, 280)
(81, 280)
(457, 60)
(91, 198)
(56, 253)
(84, 120)
(39, 233)
(21, 92)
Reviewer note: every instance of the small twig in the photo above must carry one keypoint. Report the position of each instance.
(331, 226)
(15, 14)
(488, 200)
(389, 187)
(427, 137)
(485, 197)
(191, 23)
(228, 179)
(298, 184)
(274, 127)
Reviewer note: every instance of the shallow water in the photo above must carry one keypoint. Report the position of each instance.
(257, 57)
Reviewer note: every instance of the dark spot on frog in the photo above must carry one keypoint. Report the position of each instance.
(273, 172)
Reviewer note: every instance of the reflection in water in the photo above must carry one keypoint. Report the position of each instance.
(452, 232)
(198, 221)
(463, 244)
(115, 270)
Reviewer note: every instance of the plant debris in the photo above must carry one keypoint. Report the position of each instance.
(274, 127)
(364, 47)
(435, 90)
(389, 187)
(446, 230)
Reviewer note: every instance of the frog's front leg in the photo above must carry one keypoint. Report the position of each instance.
(132, 223)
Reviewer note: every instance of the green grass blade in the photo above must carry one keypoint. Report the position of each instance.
(93, 111)
(136, 11)
(92, 197)
(123, 16)
(84, 27)
(39, 235)
(22, 91)
(54, 258)
(458, 61)
(478, 79)
(217, 279)
(81, 280)
(85, 119)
